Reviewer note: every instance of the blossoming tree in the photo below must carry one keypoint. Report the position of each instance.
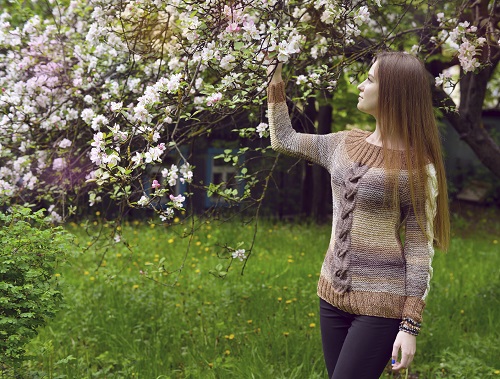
(95, 92)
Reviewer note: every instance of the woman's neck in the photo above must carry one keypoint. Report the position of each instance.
(376, 139)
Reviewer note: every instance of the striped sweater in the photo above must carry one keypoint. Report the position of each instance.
(367, 269)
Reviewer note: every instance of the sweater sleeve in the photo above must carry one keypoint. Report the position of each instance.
(419, 250)
(316, 148)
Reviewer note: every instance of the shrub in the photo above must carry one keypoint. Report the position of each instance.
(31, 251)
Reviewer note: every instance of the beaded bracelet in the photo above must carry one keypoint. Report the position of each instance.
(404, 328)
(412, 322)
(410, 326)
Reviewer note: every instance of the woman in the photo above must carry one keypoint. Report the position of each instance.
(373, 286)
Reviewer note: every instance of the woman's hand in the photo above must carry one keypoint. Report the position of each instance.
(274, 68)
(407, 343)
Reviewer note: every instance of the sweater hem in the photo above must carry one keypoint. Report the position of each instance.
(378, 304)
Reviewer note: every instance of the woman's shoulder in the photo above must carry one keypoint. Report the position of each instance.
(350, 134)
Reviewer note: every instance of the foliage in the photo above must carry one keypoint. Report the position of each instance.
(264, 324)
(32, 250)
(97, 93)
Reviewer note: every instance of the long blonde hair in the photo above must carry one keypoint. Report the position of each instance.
(405, 114)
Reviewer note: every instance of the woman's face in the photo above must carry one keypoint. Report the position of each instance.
(368, 97)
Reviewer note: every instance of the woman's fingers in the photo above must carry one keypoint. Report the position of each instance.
(407, 344)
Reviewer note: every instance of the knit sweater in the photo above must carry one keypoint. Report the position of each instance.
(367, 269)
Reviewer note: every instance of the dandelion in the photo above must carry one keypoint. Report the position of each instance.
(312, 325)
(135, 286)
(227, 352)
(286, 334)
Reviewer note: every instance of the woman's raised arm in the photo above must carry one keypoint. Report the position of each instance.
(316, 148)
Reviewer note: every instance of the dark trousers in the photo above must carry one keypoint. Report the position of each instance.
(355, 347)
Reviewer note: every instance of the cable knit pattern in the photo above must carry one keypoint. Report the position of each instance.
(341, 280)
(367, 270)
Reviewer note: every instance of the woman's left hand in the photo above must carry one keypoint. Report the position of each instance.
(407, 343)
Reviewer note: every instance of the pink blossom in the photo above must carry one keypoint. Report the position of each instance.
(155, 184)
(233, 27)
(177, 201)
(214, 98)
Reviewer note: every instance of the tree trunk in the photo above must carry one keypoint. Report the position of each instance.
(322, 189)
(316, 189)
(468, 121)
(307, 184)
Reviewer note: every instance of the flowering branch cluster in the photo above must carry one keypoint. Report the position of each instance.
(466, 42)
(94, 96)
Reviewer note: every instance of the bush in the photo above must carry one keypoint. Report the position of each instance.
(31, 251)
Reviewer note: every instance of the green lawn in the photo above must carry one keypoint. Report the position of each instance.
(125, 319)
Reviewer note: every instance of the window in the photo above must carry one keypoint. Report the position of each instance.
(220, 172)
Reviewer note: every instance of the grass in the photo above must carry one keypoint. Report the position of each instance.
(124, 318)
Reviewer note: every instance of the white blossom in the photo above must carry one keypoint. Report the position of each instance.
(262, 129)
(65, 143)
(177, 201)
(59, 164)
(214, 98)
(143, 201)
(239, 254)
